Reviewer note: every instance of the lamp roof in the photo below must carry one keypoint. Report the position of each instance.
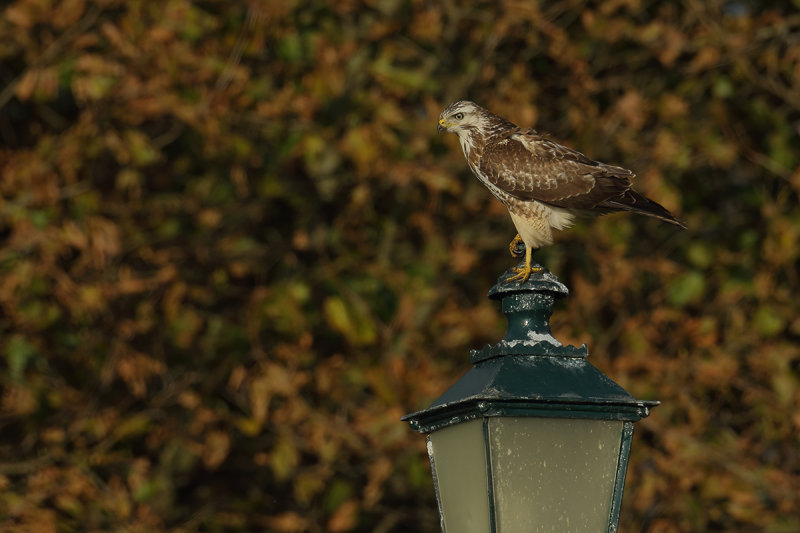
(529, 372)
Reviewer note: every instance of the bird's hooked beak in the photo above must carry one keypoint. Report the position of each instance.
(442, 126)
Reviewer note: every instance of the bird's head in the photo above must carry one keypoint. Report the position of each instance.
(462, 118)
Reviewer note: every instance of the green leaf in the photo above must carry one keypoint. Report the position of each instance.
(723, 88)
(347, 320)
(685, 289)
(284, 459)
(768, 322)
(19, 353)
(700, 254)
(142, 151)
(338, 492)
(136, 424)
(99, 85)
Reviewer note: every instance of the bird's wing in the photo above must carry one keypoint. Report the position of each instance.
(532, 167)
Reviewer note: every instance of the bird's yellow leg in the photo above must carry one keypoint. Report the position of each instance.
(524, 272)
(512, 246)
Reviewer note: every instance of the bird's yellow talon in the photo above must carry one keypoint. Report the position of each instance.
(512, 246)
(524, 272)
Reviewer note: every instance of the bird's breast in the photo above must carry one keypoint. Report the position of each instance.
(473, 151)
(466, 145)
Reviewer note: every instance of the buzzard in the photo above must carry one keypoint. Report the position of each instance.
(543, 184)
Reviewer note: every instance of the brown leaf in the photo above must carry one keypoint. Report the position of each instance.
(216, 449)
(288, 522)
(27, 84)
(345, 518)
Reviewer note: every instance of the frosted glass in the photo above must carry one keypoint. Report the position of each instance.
(553, 475)
(458, 457)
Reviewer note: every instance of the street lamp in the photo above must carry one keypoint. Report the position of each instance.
(533, 438)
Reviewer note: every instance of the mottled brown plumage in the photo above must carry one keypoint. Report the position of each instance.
(543, 184)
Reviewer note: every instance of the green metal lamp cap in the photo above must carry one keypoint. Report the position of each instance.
(528, 307)
(529, 372)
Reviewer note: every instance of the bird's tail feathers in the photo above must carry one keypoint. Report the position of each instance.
(636, 203)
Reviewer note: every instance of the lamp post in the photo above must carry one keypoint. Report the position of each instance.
(533, 438)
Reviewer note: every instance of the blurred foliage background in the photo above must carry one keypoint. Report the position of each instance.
(234, 252)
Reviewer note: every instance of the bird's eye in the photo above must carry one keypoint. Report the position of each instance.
(459, 116)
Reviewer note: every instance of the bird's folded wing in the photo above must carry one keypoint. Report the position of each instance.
(532, 167)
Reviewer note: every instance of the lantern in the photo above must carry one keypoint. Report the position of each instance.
(533, 438)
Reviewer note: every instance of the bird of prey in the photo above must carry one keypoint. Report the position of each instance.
(543, 184)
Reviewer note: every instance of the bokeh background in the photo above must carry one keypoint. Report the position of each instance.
(234, 252)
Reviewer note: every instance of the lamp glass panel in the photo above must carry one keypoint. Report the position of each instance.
(458, 460)
(553, 475)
